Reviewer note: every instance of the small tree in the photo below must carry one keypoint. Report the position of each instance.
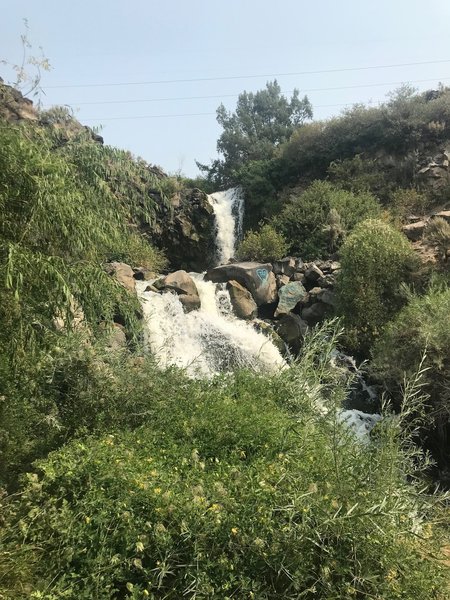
(376, 259)
(305, 218)
(265, 245)
(262, 121)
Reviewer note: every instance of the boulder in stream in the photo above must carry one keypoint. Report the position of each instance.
(256, 277)
(242, 301)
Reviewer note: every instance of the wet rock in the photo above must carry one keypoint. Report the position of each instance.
(271, 334)
(179, 281)
(190, 302)
(289, 296)
(258, 278)
(292, 330)
(143, 274)
(328, 281)
(242, 301)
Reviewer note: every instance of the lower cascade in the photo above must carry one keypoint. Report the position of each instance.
(207, 341)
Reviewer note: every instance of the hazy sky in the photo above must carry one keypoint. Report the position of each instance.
(219, 44)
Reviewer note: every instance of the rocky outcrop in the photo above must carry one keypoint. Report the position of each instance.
(186, 231)
(244, 307)
(434, 175)
(14, 106)
(256, 277)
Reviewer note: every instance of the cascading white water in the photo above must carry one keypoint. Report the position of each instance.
(205, 341)
(228, 209)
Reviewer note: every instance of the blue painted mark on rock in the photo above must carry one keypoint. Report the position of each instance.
(263, 275)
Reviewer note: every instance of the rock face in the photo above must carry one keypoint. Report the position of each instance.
(256, 277)
(244, 306)
(186, 231)
(13, 105)
(289, 296)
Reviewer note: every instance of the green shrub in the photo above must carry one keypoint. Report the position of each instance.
(375, 260)
(437, 234)
(406, 202)
(265, 245)
(304, 218)
(234, 489)
(422, 328)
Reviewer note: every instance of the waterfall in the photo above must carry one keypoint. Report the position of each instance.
(228, 209)
(207, 341)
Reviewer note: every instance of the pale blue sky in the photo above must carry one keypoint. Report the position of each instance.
(111, 41)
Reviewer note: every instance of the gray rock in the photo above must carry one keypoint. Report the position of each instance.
(327, 297)
(289, 296)
(258, 278)
(282, 280)
(244, 306)
(190, 302)
(298, 277)
(313, 273)
(291, 330)
(123, 273)
(328, 281)
(314, 313)
(180, 282)
(285, 266)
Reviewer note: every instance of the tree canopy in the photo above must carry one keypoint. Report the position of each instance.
(261, 122)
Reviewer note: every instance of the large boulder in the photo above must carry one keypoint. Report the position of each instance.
(258, 278)
(289, 296)
(244, 306)
(181, 283)
(315, 313)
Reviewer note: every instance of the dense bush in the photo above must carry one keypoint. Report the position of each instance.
(437, 234)
(305, 218)
(421, 329)
(376, 259)
(265, 245)
(238, 488)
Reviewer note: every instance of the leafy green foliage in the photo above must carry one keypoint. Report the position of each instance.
(407, 202)
(437, 233)
(265, 245)
(261, 122)
(305, 217)
(375, 259)
(421, 328)
(237, 488)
